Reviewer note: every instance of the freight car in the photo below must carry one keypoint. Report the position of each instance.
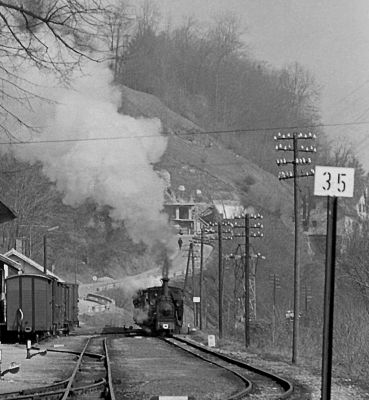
(38, 305)
(159, 309)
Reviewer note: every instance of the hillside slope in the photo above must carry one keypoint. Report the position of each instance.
(197, 160)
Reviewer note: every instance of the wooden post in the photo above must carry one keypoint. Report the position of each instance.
(220, 278)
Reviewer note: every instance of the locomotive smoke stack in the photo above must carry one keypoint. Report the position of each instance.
(166, 267)
(165, 286)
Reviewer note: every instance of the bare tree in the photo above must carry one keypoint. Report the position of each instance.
(48, 35)
(302, 93)
(122, 23)
(353, 263)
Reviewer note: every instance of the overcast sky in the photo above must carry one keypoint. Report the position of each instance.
(329, 37)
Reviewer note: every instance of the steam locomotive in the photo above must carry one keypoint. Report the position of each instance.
(159, 309)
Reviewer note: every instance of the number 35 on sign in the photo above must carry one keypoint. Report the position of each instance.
(334, 181)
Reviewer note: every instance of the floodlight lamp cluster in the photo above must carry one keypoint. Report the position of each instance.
(306, 135)
(256, 216)
(251, 216)
(282, 161)
(285, 175)
(289, 174)
(303, 160)
(308, 173)
(282, 136)
(239, 235)
(227, 237)
(227, 223)
(307, 149)
(280, 147)
(288, 136)
(234, 256)
(258, 255)
(257, 234)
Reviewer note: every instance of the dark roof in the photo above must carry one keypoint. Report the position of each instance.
(6, 214)
(9, 261)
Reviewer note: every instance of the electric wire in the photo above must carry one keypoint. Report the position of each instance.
(186, 133)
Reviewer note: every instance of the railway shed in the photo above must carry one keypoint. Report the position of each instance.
(28, 265)
(8, 267)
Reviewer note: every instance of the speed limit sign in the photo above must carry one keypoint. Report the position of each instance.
(334, 181)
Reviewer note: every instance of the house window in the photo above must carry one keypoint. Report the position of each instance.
(183, 213)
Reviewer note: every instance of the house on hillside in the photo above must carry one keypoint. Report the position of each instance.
(184, 210)
(223, 209)
(362, 206)
(317, 230)
(183, 215)
(228, 209)
(29, 266)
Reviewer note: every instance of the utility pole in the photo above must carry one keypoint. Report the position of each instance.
(276, 285)
(220, 277)
(190, 251)
(247, 234)
(45, 254)
(220, 238)
(201, 274)
(247, 278)
(296, 161)
(252, 282)
(193, 289)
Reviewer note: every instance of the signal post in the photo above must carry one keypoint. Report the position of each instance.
(332, 182)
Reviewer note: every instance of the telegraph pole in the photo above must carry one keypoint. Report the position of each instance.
(247, 278)
(247, 234)
(193, 289)
(276, 285)
(190, 251)
(295, 137)
(220, 277)
(220, 238)
(296, 282)
(201, 273)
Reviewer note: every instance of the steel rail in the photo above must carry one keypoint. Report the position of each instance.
(59, 392)
(110, 389)
(74, 373)
(284, 383)
(64, 388)
(247, 382)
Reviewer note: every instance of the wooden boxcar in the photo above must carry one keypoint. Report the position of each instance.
(71, 316)
(29, 304)
(56, 301)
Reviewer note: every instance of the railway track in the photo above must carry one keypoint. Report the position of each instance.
(90, 378)
(262, 384)
(150, 369)
(143, 368)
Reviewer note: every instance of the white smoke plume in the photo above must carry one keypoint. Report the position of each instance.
(93, 152)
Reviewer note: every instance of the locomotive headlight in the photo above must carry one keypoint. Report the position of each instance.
(165, 326)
